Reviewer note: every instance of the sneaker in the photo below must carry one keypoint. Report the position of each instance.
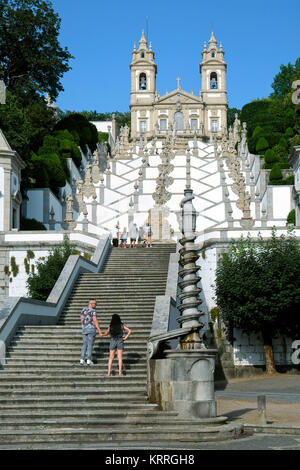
(82, 362)
(89, 362)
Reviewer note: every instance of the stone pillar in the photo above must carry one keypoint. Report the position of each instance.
(186, 383)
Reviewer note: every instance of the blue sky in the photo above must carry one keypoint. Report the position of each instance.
(257, 36)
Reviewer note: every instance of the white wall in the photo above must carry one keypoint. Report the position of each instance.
(1, 199)
(102, 126)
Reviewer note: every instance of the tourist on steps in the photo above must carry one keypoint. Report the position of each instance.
(141, 237)
(133, 235)
(148, 233)
(89, 322)
(115, 236)
(116, 330)
(124, 238)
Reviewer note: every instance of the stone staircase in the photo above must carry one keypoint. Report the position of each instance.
(47, 398)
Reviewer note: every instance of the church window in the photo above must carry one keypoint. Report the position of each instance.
(163, 125)
(213, 81)
(142, 54)
(214, 125)
(143, 81)
(213, 54)
(143, 127)
(194, 124)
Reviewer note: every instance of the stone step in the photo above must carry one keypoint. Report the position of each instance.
(36, 416)
(7, 380)
(90, 422)
(77, 329)
(131, 433)
(54, 368)
(40, 355)
(69, 336)
(58, 342)
(67, 386)
(68, 351)
(71, 407)
(19, 398)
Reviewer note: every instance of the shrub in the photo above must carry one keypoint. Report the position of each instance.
(40, 284)
(257, 131)
(270, 156)
(289, 132)
(283, 143)
(262, 145)
(276, 174)
(291, 218)
(280, 151)
(86, 131)
(290, 180)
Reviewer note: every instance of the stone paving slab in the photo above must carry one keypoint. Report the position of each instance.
(238, 400)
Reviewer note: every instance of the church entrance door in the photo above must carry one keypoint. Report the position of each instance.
(179, 123)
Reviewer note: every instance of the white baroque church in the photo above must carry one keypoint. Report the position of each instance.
(177, 140)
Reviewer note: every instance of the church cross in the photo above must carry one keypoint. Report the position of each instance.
(178, 84)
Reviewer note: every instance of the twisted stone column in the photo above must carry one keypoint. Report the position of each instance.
(189, 301)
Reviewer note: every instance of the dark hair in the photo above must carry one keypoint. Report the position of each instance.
(116, 325)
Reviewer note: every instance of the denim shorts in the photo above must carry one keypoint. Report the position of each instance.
(116, 343)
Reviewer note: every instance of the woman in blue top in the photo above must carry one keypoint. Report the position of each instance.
(116, 330)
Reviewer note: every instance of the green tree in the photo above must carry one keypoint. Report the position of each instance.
(25, 124)
(86, 131)
(262, 145)
(31, 57)
(291, 218)
(270, 158)
(258, 289)
(276, 174)
(40, 283)
(283, 80)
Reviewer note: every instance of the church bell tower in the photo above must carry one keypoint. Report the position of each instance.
(213, 76)
(143, 88)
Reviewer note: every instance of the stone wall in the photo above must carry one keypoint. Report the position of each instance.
(23, 250)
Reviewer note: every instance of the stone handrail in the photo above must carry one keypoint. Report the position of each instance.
(164, 324)
(17, 311)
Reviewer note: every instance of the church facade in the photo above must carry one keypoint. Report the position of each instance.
(188, 114)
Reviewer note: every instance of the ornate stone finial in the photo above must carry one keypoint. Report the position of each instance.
(178, 83)
(142, 41)
(69, 223)
(134, 46)
(212, 42)
(161, 195)
(205, 46)
(52, 213)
